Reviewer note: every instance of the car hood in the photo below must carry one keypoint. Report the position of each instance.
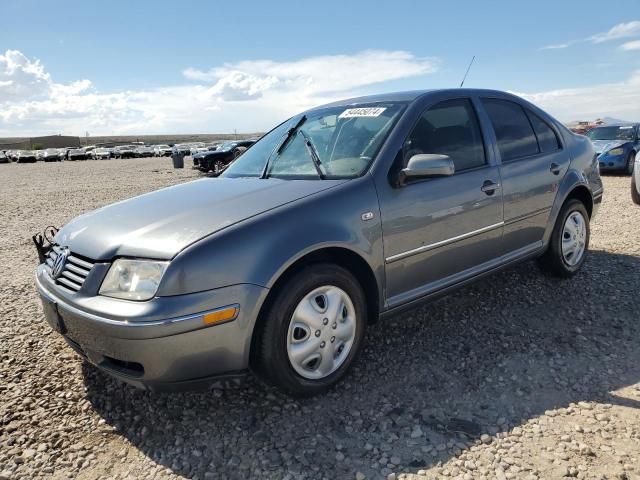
(606, 145)
(211, 153)
(162, 223)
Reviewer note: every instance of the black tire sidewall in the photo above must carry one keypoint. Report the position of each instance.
(630, 161)
(275, 362)
(635, 196)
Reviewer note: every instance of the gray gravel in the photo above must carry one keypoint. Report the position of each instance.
(517, 376)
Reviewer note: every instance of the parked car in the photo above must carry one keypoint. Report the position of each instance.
(635, 181)
(144, 151)
(4, 158)
(53, 155)
(77, 154)
(343, 214)
(162, 151)
(26, 156)
(197, 147)
(183, 148)
(125, 151)
(616, 146)
(101, 154)
(218, 159)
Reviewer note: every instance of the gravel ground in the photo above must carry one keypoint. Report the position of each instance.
(517, 376)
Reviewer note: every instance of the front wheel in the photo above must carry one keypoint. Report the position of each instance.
(312, 331)
(218, 166)
(569, 241)
(630, 162)
(635, 191)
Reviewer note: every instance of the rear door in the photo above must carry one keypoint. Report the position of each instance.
(533, 162)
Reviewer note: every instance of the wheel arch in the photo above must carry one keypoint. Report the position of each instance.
(573, 186)
(344, 257)
(582, 193)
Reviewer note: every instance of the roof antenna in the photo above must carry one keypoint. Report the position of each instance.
(467, 72)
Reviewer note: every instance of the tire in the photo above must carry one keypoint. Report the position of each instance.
(279, 332)
(630, 161)
(556, 262)
(635, 196)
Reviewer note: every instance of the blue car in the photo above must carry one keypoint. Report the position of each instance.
(616, 146)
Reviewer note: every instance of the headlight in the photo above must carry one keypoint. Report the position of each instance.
(133, 279)
(616, 151)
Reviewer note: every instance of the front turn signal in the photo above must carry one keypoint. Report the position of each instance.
(224, 314)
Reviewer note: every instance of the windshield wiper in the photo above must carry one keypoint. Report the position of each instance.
(290, 133)
(313, 153)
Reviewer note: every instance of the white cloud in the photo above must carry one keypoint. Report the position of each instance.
(21, 78)
(557, 46)
(248, 95)
(619, 100)
(621, 30)
(633, 45)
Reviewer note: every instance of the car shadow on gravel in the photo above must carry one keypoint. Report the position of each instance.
(430, 383)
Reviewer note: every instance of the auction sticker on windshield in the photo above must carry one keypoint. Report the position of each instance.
(362, 112)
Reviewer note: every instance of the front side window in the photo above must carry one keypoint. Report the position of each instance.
(448, 128)
(514, 133)
(335, 142)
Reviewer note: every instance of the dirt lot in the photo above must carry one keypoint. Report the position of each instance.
(517, 376)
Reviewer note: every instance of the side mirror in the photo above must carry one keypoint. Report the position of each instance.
(427, 165)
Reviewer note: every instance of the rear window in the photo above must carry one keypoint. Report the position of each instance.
(514, 133)
(547, 138)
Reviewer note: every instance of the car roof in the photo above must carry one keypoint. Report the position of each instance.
(412, 95)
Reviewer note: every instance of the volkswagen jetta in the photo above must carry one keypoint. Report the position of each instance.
(337, 217)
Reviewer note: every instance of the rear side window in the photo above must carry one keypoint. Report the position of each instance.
(547, 138)
(449, 128)
(513, 130)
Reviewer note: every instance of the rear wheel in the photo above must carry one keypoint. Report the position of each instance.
(569, 241)
(312, 331)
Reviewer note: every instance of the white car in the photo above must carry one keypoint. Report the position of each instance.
(635, 181)
(162, 150)
(101, 154)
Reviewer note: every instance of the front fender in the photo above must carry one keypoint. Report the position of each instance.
(258, 250)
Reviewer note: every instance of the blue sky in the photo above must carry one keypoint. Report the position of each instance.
(180, 67)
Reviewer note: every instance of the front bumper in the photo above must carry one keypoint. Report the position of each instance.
(609, 163)
(162, 344)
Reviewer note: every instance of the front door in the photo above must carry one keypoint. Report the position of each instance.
(437, 230)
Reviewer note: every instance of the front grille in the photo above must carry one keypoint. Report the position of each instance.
(75, 271)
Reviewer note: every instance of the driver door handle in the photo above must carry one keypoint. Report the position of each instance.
(490, 187)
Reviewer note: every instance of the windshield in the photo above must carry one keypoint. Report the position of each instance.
(226, 146)
(611, 133)
(345, 140)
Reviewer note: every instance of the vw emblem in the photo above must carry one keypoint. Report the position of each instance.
(59, 263)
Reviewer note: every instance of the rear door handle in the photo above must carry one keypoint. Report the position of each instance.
(490, 187)
(554, 168)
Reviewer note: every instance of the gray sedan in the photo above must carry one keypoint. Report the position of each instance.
(339, 216)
